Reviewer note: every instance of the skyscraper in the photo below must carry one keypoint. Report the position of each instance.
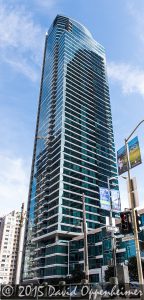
(73, 151)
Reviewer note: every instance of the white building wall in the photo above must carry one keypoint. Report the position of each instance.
(9, 246)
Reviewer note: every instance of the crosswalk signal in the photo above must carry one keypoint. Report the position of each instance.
(126, 222)
(138, 221)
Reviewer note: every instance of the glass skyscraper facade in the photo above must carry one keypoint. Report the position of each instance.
(74, 148)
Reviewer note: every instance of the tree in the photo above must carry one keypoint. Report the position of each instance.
(132, 266)
(109, 272)
(55, 281)
(77, 275)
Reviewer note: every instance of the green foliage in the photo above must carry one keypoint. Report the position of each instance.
(109, 273)
(132, 266)
(77, 276)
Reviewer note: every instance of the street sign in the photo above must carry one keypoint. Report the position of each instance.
(112, 229)
(128, 237)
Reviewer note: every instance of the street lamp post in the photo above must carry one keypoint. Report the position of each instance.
(138, 255)
(20, 246)
(112, 231)
(68, 258)
(37, 280)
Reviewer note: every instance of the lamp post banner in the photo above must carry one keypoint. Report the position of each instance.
(134, 152)
(122, 160)
(134, 156)
(104, 198)
(115, 196)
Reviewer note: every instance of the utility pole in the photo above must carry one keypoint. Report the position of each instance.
(86, 263)
(136, 238)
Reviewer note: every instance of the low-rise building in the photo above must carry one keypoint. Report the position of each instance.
(100, 251)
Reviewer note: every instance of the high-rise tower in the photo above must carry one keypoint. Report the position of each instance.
(74, 147)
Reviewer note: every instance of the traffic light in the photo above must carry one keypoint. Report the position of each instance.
(138, 221)
(126, 222)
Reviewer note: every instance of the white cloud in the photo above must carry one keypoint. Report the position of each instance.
(137, 14)
(46, 4)
(17, 29)
(14, 179)
(21, 39)
(129, 77)
(23, 67)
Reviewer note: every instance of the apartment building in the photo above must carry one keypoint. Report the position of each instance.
(11, 227)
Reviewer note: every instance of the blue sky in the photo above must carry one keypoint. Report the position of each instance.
(117, 25)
